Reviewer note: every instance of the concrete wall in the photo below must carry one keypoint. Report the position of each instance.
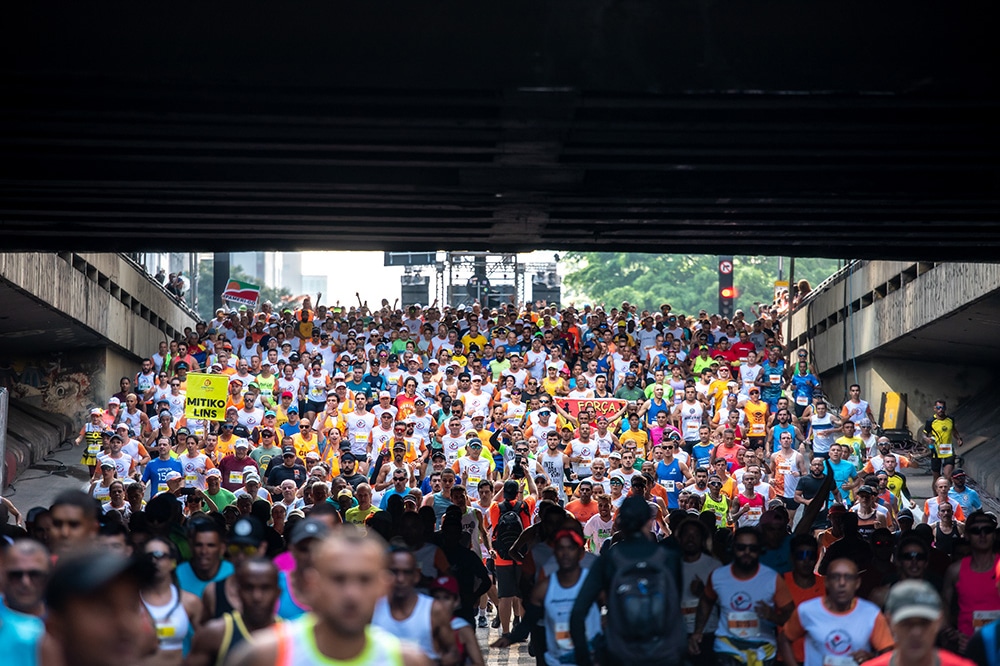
(106, 293)
(888, 300)
(922, 382)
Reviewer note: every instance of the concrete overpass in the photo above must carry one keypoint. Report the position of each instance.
(928, 330)
(71, 325)
(773, 127)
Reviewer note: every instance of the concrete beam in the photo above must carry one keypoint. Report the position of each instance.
(881, 302)
(105, 294)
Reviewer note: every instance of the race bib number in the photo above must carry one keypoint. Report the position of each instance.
(563, 639)
(802, 401)
(944, 450)
(190, 479)
(775, 379)
(93, 448)
(691, 429)
(165, 631)
(236, 477)
(689, 609)
(755, 512)
(843, 660)
(757, 430)
(668, 485)
(784, 468)
(981, 618)
(361, 438)
(161, 488)
(744, 624)
(474, 482)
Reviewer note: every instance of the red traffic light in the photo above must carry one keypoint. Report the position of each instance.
(728, 292)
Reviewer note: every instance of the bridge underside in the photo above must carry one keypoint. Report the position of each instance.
(808, 128)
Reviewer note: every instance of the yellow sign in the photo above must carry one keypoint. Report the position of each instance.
(206, 396)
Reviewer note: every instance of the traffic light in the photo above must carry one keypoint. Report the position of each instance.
(727, 292)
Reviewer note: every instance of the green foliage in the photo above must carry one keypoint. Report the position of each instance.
(689, 282)
(208, 301)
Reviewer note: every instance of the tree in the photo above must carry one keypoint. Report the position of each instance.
(207, 301)
(688, 282)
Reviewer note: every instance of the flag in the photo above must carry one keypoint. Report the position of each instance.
(243, 293)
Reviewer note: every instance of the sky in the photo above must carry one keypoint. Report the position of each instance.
(370, 278)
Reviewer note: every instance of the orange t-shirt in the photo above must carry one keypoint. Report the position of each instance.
(799, 595)
(529, 510)
(582, 512)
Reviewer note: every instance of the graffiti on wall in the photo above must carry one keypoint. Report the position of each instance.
(67, 383)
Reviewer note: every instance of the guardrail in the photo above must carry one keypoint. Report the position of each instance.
(136, 259)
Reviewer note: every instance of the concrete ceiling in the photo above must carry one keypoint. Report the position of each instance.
(774, 127)
(971, 335)
(29, 327)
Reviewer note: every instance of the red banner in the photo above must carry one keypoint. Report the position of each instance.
(602, 406)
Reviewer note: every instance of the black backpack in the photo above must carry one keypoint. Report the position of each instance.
(508, 528)
(644, 623)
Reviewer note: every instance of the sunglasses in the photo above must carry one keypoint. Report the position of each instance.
(746, 548)
(804, 555)
(979, 531)
(913, 556)
(34, 575)
(157, 555)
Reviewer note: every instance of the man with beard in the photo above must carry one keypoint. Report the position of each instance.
(752, 600)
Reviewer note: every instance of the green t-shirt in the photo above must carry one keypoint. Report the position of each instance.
(626, 393)
(222, 499)
(262, 456)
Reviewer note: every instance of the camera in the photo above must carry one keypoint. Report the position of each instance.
(518, 470)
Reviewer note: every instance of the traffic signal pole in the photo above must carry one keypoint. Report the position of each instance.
(727, 292)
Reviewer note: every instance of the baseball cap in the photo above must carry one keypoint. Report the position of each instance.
(384, 394)
(107, 463)
(213, 472)
(837, 508)
(173, 476)
(958, 472)
(615, 454)
(312, 455)
(445, 583)
(241, 443)
(345, 492)
(866, 489)
(310, 528)
(96, 411)
(116, 401)
(247, 531)
(913, 599)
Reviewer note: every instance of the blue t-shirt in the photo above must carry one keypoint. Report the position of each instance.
(672, 479)
(702, 455)
(804, 385)
(842, 471)
(157, 470)
(190, 582)
(968, 499)
(20, 636)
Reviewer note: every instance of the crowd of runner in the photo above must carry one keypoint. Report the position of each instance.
(614, 486)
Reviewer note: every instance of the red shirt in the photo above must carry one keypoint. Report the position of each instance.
(741, 349)
(529, 508)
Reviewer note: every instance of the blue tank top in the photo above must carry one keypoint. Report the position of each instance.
(778, 431)
(702, 455)
(672, 480)
(288, 607)
(655, 409)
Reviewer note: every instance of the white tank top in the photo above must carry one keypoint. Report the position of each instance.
(691, 420)
(417, 628)
(297, 646)
(554, 469)
(822, 429)
(558, 606)
(171, 620)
